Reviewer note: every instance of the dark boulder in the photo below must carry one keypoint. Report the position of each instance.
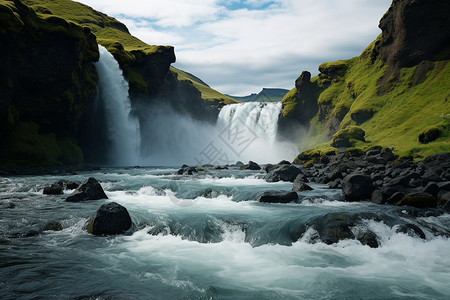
(369, 238)
(53, 189)
(52, 226)
(357, 187)
(67, 184)
(283, 173)
(283, 162)
(397, 196)
(109, 219)
(277, 197)
(301, 186)
(419, 200)
(334, 227)
(88, 190)
(411, 230)
(431, 188)
(250, 166)
(186, 170)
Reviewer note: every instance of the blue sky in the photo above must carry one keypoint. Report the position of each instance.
(240, 47)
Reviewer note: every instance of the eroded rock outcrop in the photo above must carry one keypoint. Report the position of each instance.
(414, 31)
(47, 79)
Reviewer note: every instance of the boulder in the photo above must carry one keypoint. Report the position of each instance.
(88, 190)
(334, 227)
(109, 219)
(250, 166)
(283, 173)
(186, 170)
(431, 188)
(52, 226)
(411, 230)
(277, 197)
(419, 200)
(301, 186)
(370, 239)
(53, 189)
(67, 184)
(357, 187)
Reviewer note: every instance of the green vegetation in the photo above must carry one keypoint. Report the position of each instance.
(26, 146)
(392, 112)
(289, 102)
(266, 95)
(207, 93)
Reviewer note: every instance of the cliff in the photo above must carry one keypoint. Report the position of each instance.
(395, 94)
(46, 82)
(146, 67)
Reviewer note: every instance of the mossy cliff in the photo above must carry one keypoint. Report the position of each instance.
(146, 67)
(46, 82)
(395, 94)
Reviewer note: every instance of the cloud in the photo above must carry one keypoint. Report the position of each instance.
(239, 47)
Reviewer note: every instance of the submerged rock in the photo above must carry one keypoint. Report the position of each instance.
(53, 189)
(277, 197)
(88, 190)
(110, 219)
(52, 226)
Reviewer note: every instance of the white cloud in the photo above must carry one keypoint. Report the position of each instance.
(242, 50)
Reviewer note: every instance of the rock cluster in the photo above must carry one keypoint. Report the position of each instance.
(384, 178)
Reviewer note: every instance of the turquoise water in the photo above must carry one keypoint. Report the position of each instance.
(215, 242)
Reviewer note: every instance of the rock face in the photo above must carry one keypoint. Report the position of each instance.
(47, 80)
(277, 197)
(298, 110)
(413, 31)
(88, 190)
(357, 187)
(110, 219)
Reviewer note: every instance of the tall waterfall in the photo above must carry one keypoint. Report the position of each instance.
(249, 132)
(122, 129)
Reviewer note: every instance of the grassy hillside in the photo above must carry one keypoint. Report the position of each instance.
(392, 107)
(126, 48)
(266, 95)
(207, 93)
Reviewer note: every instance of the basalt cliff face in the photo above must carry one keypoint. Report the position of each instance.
(46, 82)
(396, 92)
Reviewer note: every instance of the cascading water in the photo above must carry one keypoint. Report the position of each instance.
(249, 130)
(122, 129)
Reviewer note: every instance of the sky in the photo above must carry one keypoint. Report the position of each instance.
(239, 47)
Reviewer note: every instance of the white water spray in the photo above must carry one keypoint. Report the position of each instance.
(250, 132)
(122, 128)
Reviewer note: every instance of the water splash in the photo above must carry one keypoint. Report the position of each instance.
(249, 130)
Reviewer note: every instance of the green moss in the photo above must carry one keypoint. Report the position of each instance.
(353, 152)
(289, 102)
(26, 146)
(314, 155)
(391, 113)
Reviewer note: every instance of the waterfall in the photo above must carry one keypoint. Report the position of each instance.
(122, 129)
(249, 132)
